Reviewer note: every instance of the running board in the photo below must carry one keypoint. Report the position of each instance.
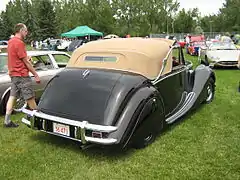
(183, 109)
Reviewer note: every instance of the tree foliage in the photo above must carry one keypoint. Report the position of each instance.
(50, 18)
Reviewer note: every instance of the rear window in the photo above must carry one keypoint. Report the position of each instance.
(101, 58)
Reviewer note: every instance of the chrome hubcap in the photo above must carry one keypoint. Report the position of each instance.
(209, 93)
(148, 138)
(20, 103)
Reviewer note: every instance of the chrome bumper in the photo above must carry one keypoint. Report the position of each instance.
(80, 127)
(224, 64)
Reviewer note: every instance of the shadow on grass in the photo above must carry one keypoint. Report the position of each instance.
(91, 150)
(179, 121)
(98, 151)
(225, 68)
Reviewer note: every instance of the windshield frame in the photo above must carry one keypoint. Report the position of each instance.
(222, 46)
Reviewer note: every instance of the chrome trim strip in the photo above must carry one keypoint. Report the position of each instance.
(25, 121)
(82, 132)
(172, 74)
(181, 102)
(174, 117)
(164, 65)
(43, 125)
(83, 124)
(101, 141)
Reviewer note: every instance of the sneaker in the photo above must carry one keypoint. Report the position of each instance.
(11, 125)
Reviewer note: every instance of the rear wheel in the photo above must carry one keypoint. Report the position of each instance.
(144, 141)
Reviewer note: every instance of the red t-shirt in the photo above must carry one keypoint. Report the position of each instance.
(16, 51)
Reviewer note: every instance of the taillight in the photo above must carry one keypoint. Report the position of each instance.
(96, 134)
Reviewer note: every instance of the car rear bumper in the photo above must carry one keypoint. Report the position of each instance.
(79, 130)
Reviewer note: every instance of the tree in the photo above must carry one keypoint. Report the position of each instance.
(185, 22)
(30, 20)
(230, 15)
(46, 20)
(198, 30)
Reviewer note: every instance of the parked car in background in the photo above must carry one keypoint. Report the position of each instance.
(209, 42)
(193, 48)
(182, 43)
(64, 44)
(121, 92)
(3, 45)
(46, 63)
(50, 44)
(75, 44)
(223, 54)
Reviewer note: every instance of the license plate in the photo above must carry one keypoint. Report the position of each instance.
(61, 129)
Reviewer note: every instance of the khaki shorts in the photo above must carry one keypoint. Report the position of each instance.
(22, 87)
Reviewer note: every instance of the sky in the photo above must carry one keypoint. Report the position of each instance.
(205, 6)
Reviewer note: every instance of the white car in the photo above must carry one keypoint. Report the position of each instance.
(64, 45)
(223, 54)
(3, 45)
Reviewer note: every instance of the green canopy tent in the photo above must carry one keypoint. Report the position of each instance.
(81, 31)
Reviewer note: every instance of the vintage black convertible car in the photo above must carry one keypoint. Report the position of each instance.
(121, 92)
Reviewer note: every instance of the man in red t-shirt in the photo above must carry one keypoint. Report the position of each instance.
(19, 66)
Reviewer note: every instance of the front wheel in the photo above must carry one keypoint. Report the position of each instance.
(210, 90)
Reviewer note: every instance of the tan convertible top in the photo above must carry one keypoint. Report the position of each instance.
(138, 55)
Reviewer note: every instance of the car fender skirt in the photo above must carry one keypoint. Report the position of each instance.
(138, 104)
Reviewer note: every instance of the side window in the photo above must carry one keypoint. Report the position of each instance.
(61, 58)
(3, 43)
(41, 62)
(177, 57)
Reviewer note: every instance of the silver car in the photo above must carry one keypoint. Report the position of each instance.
(223, 54)
(46, 63)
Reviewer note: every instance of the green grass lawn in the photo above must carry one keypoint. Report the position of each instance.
(205, 145)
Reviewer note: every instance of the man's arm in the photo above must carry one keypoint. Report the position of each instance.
(27, 62)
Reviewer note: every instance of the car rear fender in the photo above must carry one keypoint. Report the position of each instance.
(4, 97)
(129, 119)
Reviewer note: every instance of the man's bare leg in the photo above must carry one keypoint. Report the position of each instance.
(9, 109)
(32, 103)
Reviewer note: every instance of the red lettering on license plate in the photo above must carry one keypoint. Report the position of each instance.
(61, 129)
